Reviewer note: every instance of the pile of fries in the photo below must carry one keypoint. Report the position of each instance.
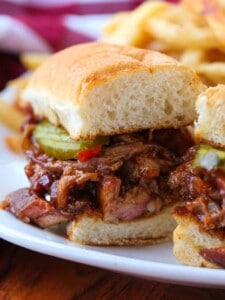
(192, 31)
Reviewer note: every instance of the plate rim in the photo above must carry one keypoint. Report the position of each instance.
(164, 272)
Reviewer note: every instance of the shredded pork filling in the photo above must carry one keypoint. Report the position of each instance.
(203, 191)
(128, 179)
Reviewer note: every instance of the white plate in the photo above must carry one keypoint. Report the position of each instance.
(156, 262)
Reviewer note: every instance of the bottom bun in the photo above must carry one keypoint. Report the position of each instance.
(189, 239)
(92, 230)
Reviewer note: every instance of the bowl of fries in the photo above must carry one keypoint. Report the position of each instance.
(191, 31)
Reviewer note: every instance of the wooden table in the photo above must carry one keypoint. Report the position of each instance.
(26, 275)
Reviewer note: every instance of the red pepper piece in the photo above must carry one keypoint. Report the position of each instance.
(85, 155)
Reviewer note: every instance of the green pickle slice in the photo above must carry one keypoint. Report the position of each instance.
(56, 142)
(209, 158)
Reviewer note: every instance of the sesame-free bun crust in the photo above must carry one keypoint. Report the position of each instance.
(189, 238)
(92, 230)
(102, 89)
(210, 126)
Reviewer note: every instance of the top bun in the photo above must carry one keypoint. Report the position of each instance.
(210, 106)
(102, 89)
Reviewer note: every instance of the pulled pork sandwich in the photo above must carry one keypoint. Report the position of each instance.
(199, 239)
(93, 161)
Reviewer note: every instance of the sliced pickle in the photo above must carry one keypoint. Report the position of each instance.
(209, 158)
(56, 142)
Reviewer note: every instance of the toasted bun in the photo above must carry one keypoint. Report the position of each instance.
(210, 106)
(103, 89)
(92, 230)
(189, 239)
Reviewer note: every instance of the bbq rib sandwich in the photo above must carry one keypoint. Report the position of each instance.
(107, 131)
(199, 239)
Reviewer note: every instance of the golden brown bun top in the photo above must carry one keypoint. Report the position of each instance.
(85, 64)
(105, 89)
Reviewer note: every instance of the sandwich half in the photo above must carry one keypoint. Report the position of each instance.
(107, 130)
(199, 238)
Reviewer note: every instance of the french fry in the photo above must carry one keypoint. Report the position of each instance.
(10, 116)
(132, 30)
(192, 57)
(181, 29)
(19, 82)
(13, 142)
(115, 23)
(172, 35)
(213, 72)
(33, 60)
